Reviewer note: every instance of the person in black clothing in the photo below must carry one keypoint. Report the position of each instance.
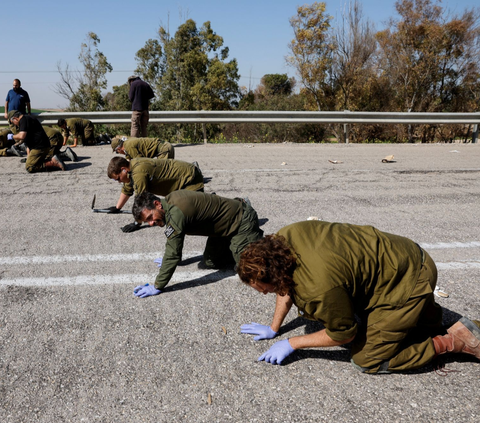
(140, 94)
(31, 132)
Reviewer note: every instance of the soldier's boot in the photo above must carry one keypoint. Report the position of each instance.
(68, 154)
(13, 151)
(53, 163)
(462, 337)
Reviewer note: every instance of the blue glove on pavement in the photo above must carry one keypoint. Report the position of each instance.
(146, 290)
(158, 261)
(263, 331)
(10, 137)
(277, 352)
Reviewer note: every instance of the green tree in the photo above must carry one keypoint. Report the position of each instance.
(194, 71)
(430, 58)
(276, 84)
(83, 89)
(118, 100)
(149, 62)
(353, 61)
(312, 51)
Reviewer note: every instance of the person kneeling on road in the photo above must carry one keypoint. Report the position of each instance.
(158, 176)
(333, 272)
(31, 132)
(151, 148)
(230, 225)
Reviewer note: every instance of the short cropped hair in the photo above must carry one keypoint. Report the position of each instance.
(61, 122)
(115, 166)
(145, 200)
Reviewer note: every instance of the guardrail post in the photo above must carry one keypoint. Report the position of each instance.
(475, 134)
(204, 128)
(346, 130)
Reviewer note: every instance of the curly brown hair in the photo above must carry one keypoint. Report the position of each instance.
(269, 260)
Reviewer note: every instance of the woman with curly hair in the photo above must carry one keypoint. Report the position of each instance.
(365, 286)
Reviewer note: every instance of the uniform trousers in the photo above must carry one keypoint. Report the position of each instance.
(402, 339)
(139, 123)
(222, 252)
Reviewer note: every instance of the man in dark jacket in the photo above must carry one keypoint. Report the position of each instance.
(140, 94)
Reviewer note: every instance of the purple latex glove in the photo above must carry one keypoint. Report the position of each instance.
(146, 290)
(263, 331)
(277, 352)
(158, 261)
(10, 137)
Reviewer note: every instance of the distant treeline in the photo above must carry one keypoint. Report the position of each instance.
(425, 60)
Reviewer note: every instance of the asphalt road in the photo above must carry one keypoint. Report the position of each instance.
(77, 346)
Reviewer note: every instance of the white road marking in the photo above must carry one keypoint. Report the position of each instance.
(448, 245)
(133, 279)
(11, 261)
(178, 276)
(464, 264)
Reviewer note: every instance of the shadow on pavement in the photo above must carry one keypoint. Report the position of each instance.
(76, 165)
(190, 260)
(204, 280)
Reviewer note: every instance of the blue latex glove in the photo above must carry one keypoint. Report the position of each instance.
(277, 352)
(10, 137)
(146, 290)
(263, 331)
(158, 261)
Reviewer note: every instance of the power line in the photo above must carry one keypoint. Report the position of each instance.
(56, 71)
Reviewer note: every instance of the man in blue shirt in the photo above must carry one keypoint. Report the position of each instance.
(17, 99)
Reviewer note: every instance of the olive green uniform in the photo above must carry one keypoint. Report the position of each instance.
(5, 144)
(56, 140)
(387, 280)
(162, 176)
(82, 129)
(230, 226)
(148, 147)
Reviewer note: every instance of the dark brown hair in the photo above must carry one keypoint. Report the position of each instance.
(269, 260)
(115, 166)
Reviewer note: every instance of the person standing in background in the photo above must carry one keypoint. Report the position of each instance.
(17, 99)
(140, 94)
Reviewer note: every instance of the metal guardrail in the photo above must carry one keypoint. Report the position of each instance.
(203, 117)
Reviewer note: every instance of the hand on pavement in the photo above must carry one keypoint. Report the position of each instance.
(131, 227)
(146, 290)
(263, 331)
(277, 352)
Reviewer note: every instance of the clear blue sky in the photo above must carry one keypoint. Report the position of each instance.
(38, 34)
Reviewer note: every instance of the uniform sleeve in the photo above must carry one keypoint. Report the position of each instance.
(75, 130)
(140, 182)
(171, 258)
(335, 310)
(127, 189)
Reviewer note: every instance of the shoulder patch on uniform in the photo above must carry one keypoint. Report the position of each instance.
(169, 231)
